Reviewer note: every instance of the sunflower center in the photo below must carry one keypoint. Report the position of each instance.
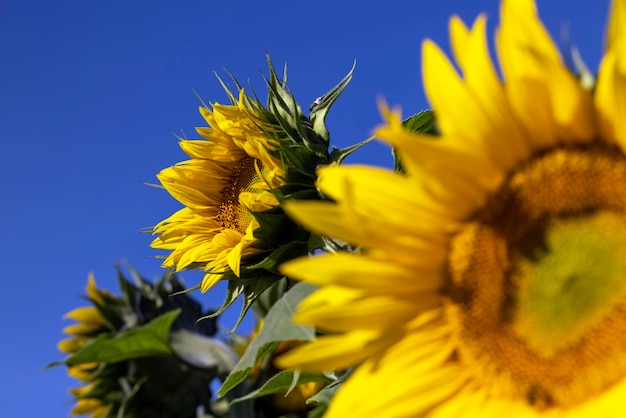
(537, 280)
(569, 279)
(231, 213)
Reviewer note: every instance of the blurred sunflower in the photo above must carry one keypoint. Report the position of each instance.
(131, 381)
(491, 280)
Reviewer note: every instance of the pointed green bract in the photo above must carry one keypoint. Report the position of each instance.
(423, 122)
(285, 380)
(319, 109)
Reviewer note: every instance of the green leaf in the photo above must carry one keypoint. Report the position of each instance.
(151, 339)
(277, 327)
(284, 380)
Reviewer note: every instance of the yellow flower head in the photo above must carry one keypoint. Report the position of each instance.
(231, 174)
(251, 158)
(491, 280)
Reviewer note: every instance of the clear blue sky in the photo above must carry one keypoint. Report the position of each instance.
(91, 91)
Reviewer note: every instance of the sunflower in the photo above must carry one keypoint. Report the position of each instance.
(121, 378)
(230, 174)
(491, 276)
(90, 324)
(251, 157)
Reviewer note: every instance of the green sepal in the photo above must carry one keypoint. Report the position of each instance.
(310, 194)
(277, 327)
(277, 229)
(286, 252)
(339, 154)
(300, 158)
(151, 339)
(285, 380)
(281, 102)
(323, 397)
(319, 109)
(250, 288)
(283, 106)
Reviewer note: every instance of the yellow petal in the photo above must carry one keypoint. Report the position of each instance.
(71, 345)
(447, 179)
(82, 371)
(616, 36)
(87, 314)
(209, 280)
(86, 406)
(421, 381)
(361, 272)
(82, 328)
(466, 125)
(610, 94)
(234, 258)
(258, 202)
(92, 290)
(379, 191)
(372, 312)
(550, 102)
(334, 352)
(504, 139)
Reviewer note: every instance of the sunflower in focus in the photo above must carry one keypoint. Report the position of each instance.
(230, 174)
(90, 324)
(491, 276)
(251, 157)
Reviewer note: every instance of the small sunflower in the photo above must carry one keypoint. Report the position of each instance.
(283, 403)
(251, 157)
(492, 276)
(121, 379)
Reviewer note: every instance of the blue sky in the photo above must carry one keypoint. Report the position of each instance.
(91, 92)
